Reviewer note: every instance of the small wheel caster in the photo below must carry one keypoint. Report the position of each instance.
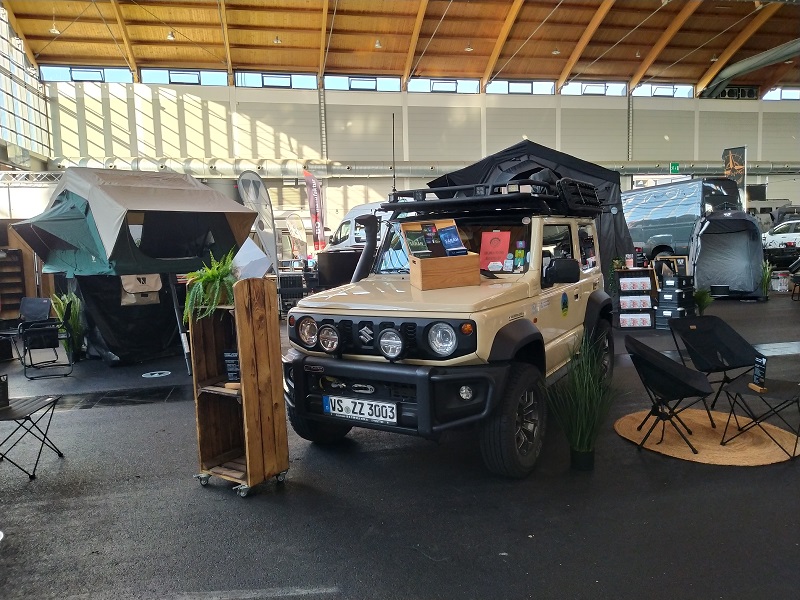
(281, 477)
(242, 490)
(203, 479)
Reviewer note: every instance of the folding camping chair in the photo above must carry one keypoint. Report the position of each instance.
(46, 335)
(31, 310)
(668, 383)
(714, 347)
(23, 412)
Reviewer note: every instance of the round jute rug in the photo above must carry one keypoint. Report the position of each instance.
(752, 448)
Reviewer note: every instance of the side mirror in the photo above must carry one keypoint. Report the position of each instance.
(561, 270)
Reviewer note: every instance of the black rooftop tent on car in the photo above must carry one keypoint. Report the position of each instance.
(527, 160)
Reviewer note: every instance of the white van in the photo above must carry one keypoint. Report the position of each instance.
(350, 235)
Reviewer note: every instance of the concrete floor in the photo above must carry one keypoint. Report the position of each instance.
(386, 516)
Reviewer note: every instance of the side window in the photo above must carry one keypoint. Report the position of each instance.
(782, 228)
(587, 248)
(341, 234)
(557, 239)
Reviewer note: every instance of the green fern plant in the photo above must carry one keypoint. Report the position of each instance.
(208, 287)
(75, 321)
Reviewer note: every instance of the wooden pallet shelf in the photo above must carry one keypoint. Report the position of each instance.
(243, 441)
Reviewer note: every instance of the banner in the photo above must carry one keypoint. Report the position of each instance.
(255, 196)
(735, 162)
(316, 209)
(297, 236)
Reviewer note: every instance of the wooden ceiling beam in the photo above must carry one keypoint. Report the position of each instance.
(774, 78)
(323, 42)
(510, 19)
(412, 44)
(126, 41)
(12, 20)
(584, 40)
(223, 17)
(665, 38)
(764, 14)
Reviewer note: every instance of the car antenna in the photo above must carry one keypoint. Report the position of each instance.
(394, 175)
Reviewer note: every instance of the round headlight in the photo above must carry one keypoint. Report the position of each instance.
(307, 331)
(390, 343)
(442, 339)
(329, 338)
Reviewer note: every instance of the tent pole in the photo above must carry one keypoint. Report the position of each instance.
(181, 327)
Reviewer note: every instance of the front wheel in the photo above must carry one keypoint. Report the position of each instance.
(512, 436)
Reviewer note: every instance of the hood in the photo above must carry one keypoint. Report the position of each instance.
(392, 293)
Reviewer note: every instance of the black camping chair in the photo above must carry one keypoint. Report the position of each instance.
(27, 413)
(668, 383)
(714, 347)
(46, 335)
(31, 310)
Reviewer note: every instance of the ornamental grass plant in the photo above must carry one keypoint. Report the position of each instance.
(580, 402)
(75, 321)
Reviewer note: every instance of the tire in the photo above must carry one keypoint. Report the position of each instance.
(508, 448)
(603, 338)
(316, 431)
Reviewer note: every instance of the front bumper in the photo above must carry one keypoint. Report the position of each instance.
(427, 397)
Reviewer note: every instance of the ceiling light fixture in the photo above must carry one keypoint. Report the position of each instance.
(556, 52)
(171, 36)
(55, 30)
(378, 44)
(469, 47)
(714, 58)
(638, 54)
(277, 40)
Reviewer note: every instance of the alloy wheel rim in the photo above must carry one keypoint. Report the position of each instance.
(527, 423)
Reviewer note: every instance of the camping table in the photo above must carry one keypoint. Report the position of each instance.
(779, 396)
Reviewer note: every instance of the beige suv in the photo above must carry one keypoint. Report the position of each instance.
(382, 354)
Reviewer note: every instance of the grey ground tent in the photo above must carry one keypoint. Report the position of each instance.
(108, 222)
(726, 251)
(525, 159)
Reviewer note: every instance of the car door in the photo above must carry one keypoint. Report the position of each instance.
(561, 306)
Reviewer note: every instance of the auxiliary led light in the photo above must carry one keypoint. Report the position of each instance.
(329, 338)
(390, 344)
(465, 392)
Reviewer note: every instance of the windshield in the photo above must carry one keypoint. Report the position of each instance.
(503, 243)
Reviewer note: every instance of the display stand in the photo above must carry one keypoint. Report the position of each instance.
(638, 297)
(241, 433)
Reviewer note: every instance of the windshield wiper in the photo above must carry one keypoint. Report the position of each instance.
(395, 270)
(488, 274)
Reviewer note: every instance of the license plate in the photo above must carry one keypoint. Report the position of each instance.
(360, 410)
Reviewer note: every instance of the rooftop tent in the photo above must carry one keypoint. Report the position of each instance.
(528, 160)
(108, 222)
(726, 250)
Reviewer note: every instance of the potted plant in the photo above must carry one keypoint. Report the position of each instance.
(209, 287)
(74, 323)
(580, 402)
(766, 278)
(703, 299)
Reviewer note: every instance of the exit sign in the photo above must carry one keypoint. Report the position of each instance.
(674, 168)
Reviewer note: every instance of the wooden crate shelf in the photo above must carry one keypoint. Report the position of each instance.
(241, 433)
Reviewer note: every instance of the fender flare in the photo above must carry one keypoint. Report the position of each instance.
(513, 336)
(598, 307)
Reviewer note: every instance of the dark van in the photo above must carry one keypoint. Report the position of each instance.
(661, 218)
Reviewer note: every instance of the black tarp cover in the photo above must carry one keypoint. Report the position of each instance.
(726, 250)
(525, 159)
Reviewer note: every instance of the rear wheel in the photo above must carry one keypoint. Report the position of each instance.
(316, 431)
(512, 437)
(603, 340)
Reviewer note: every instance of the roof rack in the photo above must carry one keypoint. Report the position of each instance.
(565, 197)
